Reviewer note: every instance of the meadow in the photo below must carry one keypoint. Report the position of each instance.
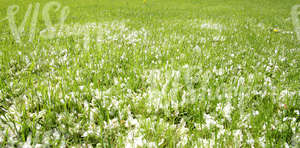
(150, 73)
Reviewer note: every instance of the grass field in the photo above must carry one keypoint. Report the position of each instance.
(155, 73)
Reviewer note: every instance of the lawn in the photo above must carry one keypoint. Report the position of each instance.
(149, 73)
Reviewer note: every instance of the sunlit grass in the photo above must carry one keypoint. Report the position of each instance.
(153, 74)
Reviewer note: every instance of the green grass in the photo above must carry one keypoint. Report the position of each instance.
(194, 73)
